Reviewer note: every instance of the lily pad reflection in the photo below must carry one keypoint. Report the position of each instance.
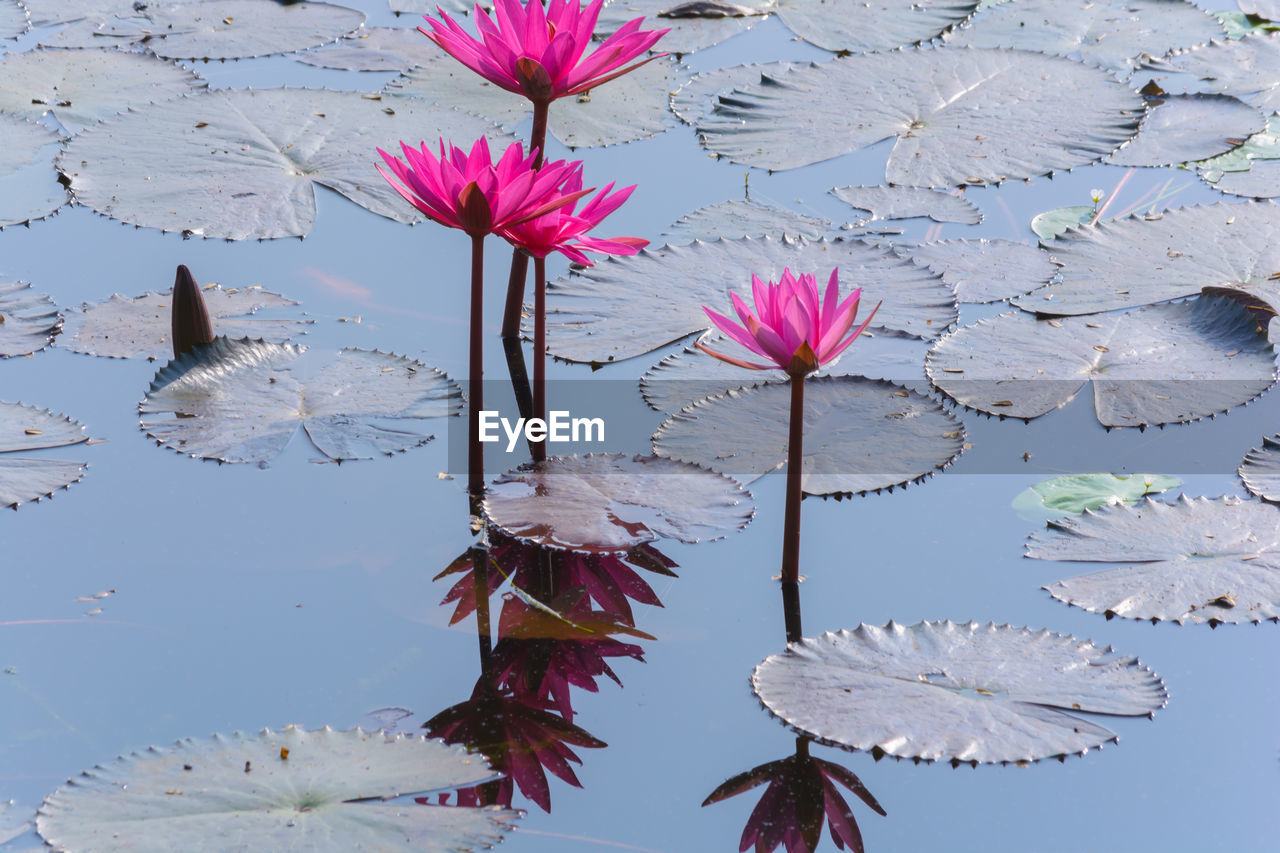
(24, 479)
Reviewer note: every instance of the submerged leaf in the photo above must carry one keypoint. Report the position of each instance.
(129, 328)
(985, 270)
(242, 790)
(624, 307)
(29, 187)
(1161, 364)
(237, 401)
(25, 479)
(692, 25)
(609, 503)
(28, 321)
(958, 692)
(1189, 127)
(1075, 493)
(732, 219)
(1194, 561)
(961, 116)
(861, 435)
(860, 26)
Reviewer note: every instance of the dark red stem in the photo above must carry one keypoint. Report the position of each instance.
(519, 260)
(791, 520)
(539, 448)
(475, 451)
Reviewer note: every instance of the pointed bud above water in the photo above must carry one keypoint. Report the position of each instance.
(191, 323)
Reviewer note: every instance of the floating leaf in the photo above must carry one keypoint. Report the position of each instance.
(1269, 9)
(1138, 261)
(1194, 561)
(693, 25)
(861, 435)
(632, 107)
(29, 187)
(375, 49)
(731, 219)
(605, 503)
(45, 13)
(955, 692)
(81, 87)
(242, 164)
(25, 479)
(1249, 169)
(624, 307)
(1113, 34)
(1260, 470)
(13, 19)
(240, 792)
(695, 100)
(1248, 68)
(237, 401)
(28, 321)
(128, 328)
(1162, 364)
(859, 26)
(1189, 127)
(910, 203)
(428, 7)
(1053, 223)
(961, 116)
(1073, 494)
(985, 270)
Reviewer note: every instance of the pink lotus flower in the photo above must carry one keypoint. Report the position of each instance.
(539, 53)
(789, 326)
(565, 231)
(470, 192)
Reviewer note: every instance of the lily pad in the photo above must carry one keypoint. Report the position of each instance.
(934, 691)
(375, 49)
(46, 13)
(140, 327)
(696, 99)
(961, 116)
(1269, 9)
(731, 219)
(1239, 24)
(1075, 493)
(286, 790)
(861, 435)
(1260, 470)
(624, 307)
(81, 87)
(237, 401)
(859, 26)
(1194, 561)
(1139, 261)
(24, 479)
(243, 164)
(985, 270)
(1248, 68)
(13, 19)
(693, 25)
(428, 7)
(1251, 169)
(910, 203)
(605, 503)
(1114, 34)
(1051, 224)
(29, 187)
(28, 321)
(1158, 365)
(1189, 127)
(634, 106)
(14, 820)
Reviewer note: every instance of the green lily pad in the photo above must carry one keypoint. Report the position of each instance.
(29, 187)
(30, 478)
(1189, 127)
(693, 26)
(910, 203)
(959, 115)
(290, 790)
(375, 49)
(13, 19)
(732, 219)
(1252, 169)
(1051, 224)
(1195, 561)
(1240, 24)
(985, 270)
(696, 99)
(28, 321)
(1075, 493)
(859, 26)
(942, 691)
(238, 401)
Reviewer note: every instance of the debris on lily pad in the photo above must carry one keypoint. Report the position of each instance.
(695, 100)
(1260, 469)
(276, 790)
(859, 26)
(605, 503)
(1196, 561)
(238, 401)
(140, 327)
(28, 320)
(964, 693)
(910, 203)
(693, 24)
(861, 435)
(745, 218)
(1182, 128)
(985, 270)
(1075, 493)
(30, 478)
(375, 49)
(29, 187)
(1157, 365)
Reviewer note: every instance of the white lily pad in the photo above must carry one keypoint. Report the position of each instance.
(290, 790)
(985, 270)
(693, 25)
(46, 13)
(605, 503)
(941, 691)
(1075, 493)
(959, 115)
(1112, 34)
(28, 320)
(241, 164)
(634, 106)
(1196, 561)
(859, 26)
(624, 307)
(696, 99)
(1139, 261)
(1182, 128)
(1260, 470)
(1158, 365)
(428, 7)
(13, 19)
(910, 203)
(1248, 68)
(375, 49)
(238, 401)
(861, 435)
(732, 219)
(29, 187)
(141, 327)
(29, 478)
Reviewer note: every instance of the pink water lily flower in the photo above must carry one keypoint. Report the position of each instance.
(469, 191)
(539, 53)
(790, 326)
(564, 229)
